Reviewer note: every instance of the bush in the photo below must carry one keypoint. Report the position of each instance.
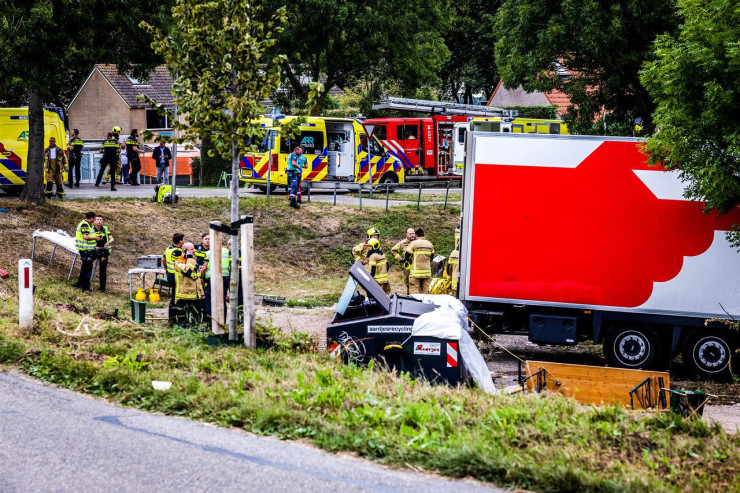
(211, 167)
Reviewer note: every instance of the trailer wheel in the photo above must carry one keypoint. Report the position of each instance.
(709, 354)
(631, 346)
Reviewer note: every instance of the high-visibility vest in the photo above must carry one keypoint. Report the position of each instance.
(421, 258)
(104, 234)
(171, 253)
(453, 263)
(84, 228)
(379, 267)
(78, 144)
(225, 263)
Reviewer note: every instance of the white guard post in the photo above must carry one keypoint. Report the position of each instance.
(25, 293)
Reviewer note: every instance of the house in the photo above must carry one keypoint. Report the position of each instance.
(503, 97)
(107, 99)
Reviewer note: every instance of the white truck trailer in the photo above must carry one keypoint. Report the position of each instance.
(575, 238)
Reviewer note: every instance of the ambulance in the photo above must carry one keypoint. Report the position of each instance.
(336, 149)
(500, 125)
(14, 134)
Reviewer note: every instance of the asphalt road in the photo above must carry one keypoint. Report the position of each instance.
(90, 191)
(56, 440)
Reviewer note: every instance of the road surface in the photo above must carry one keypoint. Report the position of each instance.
(56, 440)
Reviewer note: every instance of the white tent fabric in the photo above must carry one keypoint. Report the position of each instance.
(58, 237)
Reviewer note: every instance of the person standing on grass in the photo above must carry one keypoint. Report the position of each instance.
(294, 171)
(419, 254)
(85, 241)
(162, 156)
(378, 265)
(103, 249)
(172, 253)
(398, 253)
(187, 288)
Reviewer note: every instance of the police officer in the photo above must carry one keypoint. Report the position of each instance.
(111, 154)
(172, 253)
(359, 250)
(419, 253)
(202, 249)
(55, 163)
(103, 249)
(399, 250)
(85, 241)
(378, 265)
(75, 159)
(133, 152)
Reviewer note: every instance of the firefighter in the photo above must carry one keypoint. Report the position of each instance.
(453, 262)
(378, 264)
(75, 147)
(358, 251)
(172, 253)
(398, 252)
(132, 152)
(111, 154)
(419, 253)
(55, 163)
(187, 290)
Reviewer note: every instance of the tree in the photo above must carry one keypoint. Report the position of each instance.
(603, 44)
(695, 82)
(221, 75)
(471, 67)
(340, 42)
(49, 47)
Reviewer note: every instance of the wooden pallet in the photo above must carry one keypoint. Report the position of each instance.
(598, 385)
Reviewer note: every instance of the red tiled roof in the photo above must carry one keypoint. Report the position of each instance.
(559, 99)
(158, 86)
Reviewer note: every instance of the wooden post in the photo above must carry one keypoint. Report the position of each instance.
(218, 319)
(247, 248)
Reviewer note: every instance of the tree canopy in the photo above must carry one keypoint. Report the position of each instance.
(603, 45)
(49, 47)
(695, 82)
(338, 42)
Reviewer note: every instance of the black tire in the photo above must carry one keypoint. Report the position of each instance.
(709, 354)
(14, 191)
(386, 179)
(263, 188)
(631, 347)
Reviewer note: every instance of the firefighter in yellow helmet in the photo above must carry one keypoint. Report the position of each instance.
(419, 253)
(187, 287)
(358, 251)
(378, 264)
(398, 252)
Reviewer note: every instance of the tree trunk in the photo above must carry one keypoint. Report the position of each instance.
(34, 189)
(234, 279)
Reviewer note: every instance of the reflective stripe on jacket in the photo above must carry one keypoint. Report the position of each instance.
(378, 267)
(186, 279)
(358, 251)
(399, 248)
(421, 252)
(84, 228)
(171, 253)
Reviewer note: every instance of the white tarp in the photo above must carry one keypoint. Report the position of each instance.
(449, 322)
(57, 237)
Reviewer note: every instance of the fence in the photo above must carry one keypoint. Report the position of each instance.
(384, 188)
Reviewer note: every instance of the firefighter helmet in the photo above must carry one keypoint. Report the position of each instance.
(373, 243)
(116, 130)
(372, 231)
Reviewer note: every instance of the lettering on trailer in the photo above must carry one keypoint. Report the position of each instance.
(428, 348)
(595, 225)
(388, 329)
(23, 135)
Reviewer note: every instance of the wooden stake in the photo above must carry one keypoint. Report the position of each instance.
(247, 244)
(218, 319)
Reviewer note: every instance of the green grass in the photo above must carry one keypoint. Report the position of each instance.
(287, 390)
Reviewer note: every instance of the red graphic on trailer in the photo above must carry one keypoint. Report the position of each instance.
(593, 235)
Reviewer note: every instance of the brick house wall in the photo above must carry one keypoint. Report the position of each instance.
(98, 108)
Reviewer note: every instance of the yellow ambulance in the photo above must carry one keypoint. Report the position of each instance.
(14, 135)
(336, 150)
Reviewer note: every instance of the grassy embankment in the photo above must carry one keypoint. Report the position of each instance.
(289, 391)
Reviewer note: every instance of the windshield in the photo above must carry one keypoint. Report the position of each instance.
(376, 148)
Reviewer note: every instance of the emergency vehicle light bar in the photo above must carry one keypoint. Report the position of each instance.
(437, 107)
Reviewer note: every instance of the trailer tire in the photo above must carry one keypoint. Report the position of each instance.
(628, 346)
(709, 354)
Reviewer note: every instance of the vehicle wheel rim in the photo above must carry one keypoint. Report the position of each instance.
(711, 354)
(632, 348)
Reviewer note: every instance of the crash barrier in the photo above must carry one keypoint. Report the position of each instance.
(383, 188)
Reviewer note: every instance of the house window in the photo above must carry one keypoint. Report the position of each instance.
(137, 82)
(155, 121)
(407, 132)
